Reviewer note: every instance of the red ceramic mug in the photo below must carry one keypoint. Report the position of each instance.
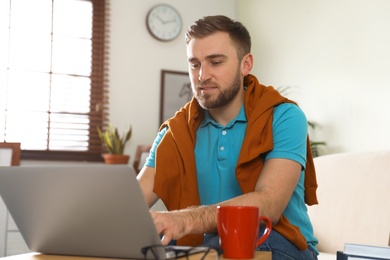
(238, 230)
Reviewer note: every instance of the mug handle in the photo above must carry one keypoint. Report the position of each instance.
(267, 230)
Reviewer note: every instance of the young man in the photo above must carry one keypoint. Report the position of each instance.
(236, 142)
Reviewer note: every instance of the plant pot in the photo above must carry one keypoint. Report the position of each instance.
(116, 158)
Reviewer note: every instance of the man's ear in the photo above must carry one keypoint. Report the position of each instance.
(246, 64)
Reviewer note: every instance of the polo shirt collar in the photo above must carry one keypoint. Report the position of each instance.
(209, 120)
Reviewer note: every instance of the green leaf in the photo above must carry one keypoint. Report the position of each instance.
(111, 139)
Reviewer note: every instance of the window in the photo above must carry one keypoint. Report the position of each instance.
(53, 94)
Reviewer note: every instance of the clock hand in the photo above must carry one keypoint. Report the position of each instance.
(161, 20)
(170, 21)
(165, 22)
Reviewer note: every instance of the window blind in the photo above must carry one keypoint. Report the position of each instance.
(53, 84)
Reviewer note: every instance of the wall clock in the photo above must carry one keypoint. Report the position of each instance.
(164, 22)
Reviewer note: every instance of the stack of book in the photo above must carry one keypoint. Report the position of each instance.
(361, 252)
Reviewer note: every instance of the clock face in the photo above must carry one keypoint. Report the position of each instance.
(164, 22)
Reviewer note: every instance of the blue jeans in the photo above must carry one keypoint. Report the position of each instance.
(280, 247)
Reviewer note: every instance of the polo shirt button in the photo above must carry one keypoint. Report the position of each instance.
(223, 132)
(222, 148)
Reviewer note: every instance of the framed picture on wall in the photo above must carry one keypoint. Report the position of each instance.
(9, 154)
(175, 92)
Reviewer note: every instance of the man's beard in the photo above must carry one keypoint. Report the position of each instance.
(224, 97)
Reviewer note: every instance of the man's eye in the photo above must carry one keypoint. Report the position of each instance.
(194, 65)
(216, 63)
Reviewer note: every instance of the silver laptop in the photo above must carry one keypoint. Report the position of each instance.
(94, 210)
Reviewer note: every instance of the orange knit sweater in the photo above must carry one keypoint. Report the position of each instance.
(176, 181)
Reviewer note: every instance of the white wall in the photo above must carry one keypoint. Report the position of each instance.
(336, 55)
(136, 60)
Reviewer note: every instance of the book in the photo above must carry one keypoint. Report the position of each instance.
(381, 252)
(342, 256)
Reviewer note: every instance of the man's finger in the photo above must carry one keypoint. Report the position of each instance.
(167, 237)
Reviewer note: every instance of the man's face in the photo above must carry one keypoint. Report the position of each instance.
(215, 70)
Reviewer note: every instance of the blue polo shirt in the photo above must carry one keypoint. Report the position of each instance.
(217, 150)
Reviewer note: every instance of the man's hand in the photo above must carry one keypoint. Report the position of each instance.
(171, 225)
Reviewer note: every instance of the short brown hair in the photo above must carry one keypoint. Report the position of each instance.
(219, 23)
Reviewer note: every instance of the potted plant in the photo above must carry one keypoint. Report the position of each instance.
(115, 145)
(285, 91)
(314, 144)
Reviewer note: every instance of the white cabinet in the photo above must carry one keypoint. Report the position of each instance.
(11, 241)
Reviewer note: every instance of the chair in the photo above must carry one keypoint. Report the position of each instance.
(141, 154)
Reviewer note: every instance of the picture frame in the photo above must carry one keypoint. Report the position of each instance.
(175, 92)
(9, 154)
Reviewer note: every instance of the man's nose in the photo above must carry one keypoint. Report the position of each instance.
(204, 73)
